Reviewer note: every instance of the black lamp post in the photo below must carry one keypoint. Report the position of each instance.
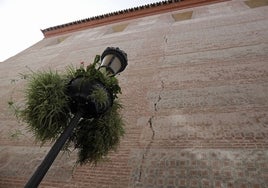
(114, 61)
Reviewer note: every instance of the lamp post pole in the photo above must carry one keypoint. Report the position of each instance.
(41, 171)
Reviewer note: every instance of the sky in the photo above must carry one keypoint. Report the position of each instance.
(22, 20)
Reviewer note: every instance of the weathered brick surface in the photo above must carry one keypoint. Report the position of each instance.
(199, 168)
(194, 94)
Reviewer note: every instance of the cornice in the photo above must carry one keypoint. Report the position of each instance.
(123, 15)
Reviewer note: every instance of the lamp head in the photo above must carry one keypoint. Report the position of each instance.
(114, 60)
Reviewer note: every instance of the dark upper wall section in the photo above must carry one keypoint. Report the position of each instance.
(122, 15)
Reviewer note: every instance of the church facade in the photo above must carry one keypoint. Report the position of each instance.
(195, 97)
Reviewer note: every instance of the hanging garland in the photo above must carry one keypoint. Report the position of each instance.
(47, 111)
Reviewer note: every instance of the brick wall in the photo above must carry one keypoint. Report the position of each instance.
(194, 94)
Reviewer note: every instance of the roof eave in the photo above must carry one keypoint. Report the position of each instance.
(123, 15)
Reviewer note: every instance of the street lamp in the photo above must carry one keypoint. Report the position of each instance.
(114, 61)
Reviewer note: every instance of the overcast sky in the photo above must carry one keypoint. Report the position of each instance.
(21, 20)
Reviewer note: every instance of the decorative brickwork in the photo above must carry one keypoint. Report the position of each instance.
(182, 16)
(256, 3)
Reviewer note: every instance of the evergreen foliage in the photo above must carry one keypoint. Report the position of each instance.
(47, 112)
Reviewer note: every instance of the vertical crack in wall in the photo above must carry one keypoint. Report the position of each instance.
(159, 97)
(148, 147)
(166, 39)
(150, 124)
